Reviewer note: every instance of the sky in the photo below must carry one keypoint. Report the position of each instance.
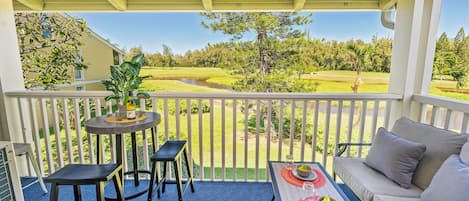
(182, 31)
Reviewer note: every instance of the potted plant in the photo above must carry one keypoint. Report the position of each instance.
(124, 79)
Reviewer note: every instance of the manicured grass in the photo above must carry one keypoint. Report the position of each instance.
(328, 81)
(224, 81)
(174, 85)
(184, 72)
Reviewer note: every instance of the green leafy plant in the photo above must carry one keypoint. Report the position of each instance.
(125, 78)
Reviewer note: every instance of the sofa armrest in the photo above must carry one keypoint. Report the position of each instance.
(342, 147)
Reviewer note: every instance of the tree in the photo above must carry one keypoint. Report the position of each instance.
(49, 48)
(361, 53)
(460, 69)
(134, 51)
(264, 69)
(167, 56)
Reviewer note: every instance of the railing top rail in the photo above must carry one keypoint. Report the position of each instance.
(456, 105)
(210, 95)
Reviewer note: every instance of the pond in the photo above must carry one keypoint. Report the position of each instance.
(204, 83)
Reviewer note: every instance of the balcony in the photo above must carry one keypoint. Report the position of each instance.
(231, 136)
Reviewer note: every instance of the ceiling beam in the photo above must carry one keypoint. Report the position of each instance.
(208, 5)
(119, 4)
(33, 4)
(386, 4)
(298, 4)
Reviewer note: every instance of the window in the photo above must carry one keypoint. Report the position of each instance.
(80, 88)
(116, 57)
(79, 74)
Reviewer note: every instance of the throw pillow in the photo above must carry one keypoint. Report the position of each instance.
(451, 182)
(395, 157)
(465, 153)
(440, 145)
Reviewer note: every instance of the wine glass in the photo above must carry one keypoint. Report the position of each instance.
(310, 191)
(291, 163)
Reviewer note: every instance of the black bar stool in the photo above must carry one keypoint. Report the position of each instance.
(85, 174)
(170, 152)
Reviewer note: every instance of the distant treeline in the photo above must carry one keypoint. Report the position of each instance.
(451, 58)
(317, 54)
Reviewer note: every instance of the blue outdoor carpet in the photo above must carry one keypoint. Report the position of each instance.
(204, 191)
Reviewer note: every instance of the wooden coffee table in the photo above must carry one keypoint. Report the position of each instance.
(285, 191)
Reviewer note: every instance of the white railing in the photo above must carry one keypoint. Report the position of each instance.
(442, 112)
(231, 136)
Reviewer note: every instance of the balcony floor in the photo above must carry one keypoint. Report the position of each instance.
(204, 191)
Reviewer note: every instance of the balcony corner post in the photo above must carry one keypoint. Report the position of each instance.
(412, 55)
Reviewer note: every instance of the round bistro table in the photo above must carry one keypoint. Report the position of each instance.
(99, 126)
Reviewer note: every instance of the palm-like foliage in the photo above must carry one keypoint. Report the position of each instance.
(125, 78)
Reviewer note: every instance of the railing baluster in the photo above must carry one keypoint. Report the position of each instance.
(178, 122)
(338, 125)
(154, 107)
(269, 134)
(303, 130)
(112, 138)
(374, 121)
(101, 139)
(326, 133)
(58, 141)
(435, 113)
(223, 141)
(258, 130)
(246, 119)
(19, 102)
(423, 113)
(90, 137)
(362, 126)
(235, 122)
(350, 123)
(189, 130)
(78, 131)
(201, 152)
(315, 130)
(146, 160)
(166, 119)
(465, 123)
(292, 126)
(387, 114)
(36, 138)
(280, 131)
(212, 170)
(45, 128)
(449, 113)
(68, 137)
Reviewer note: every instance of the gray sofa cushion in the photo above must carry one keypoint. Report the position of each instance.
(395, 157)
(465, 153)
(393, 198)
(440, 145)
(366, 182)
(451, 182)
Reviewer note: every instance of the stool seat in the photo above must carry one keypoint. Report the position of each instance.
(169, 151)
(84, 173)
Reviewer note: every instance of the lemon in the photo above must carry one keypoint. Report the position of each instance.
(304, 168)
(131, 107)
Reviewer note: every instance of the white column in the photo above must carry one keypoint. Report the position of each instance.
(412, 53)
(11, 74)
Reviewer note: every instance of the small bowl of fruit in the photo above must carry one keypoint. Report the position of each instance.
(304, 170)
(326, 198)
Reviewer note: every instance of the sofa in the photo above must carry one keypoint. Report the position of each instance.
(369, 184)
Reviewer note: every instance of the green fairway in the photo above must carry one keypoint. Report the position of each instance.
(327, 81)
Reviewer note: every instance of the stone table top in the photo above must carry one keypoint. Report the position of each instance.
(98, 125)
